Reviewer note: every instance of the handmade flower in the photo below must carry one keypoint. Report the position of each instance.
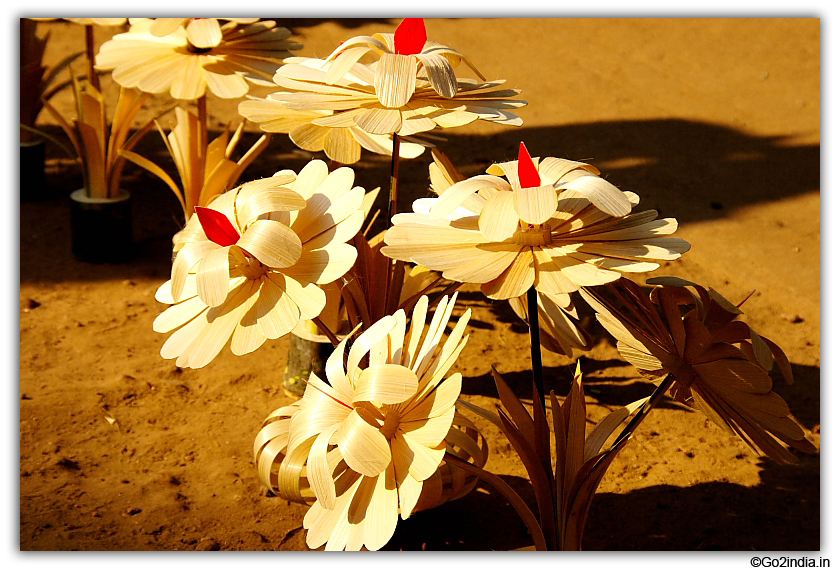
(352, 115)
(201, 32)
(171, 63)
(251, 262)
(716, 363)
(386, 421)
(402, 56)
(553, 224)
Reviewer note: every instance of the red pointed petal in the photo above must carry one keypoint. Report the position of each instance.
(410, 36)
(528, 175)
(217, 226)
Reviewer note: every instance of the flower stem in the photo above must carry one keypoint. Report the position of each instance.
(536, 355)
(93, 78)
(201, 103)
(642, 414)
(508, 493)
(392, 205)
(395, 174)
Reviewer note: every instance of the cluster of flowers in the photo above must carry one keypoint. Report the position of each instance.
(368, 443)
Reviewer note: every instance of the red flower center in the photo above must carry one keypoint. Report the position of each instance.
(217, 226)
(528, 175)
(410, 36)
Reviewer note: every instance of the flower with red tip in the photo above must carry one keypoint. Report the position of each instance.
(343, 117)
(553, 224)
(250, 264)
(404, 55)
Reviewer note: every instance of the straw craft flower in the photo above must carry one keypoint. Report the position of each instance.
(342, 116)
(386, 421)
(557, 313)
(171, 63)
(718, 364)
(402, 56)
(251, 262)
(553, 224)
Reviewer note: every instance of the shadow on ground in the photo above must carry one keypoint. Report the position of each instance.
(706, 516)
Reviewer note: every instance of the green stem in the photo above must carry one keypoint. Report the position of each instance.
(508, 493)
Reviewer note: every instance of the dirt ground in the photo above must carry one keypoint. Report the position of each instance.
(714, 122)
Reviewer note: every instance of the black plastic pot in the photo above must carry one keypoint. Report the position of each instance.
(101, 228)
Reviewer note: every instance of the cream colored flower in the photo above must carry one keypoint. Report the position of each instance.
(201, 32)
(170, 63)
(557, 314)
(553, 224)
(717, 363)
(343, 116)
(251, 263)
(402, 57)
(387, 421)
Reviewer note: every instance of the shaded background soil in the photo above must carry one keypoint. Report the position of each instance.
(715, 122)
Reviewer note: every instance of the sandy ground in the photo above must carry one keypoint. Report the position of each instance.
(714, 122)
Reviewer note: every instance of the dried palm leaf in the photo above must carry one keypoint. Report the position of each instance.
(713, 362)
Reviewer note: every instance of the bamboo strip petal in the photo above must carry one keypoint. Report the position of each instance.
(187, 257)
(363, 446)
(178, 314)
(458, 193)
(395, 79)
(603, 195)
(515, 280)
(272, 243)
(383, 511)
(379, 121)
(223, 319)
(276, 314)
(366, 340)
(440, 73)
(429, 431)
(535, 205)
(424, 460)
(310, 298)
(735, 374)
(385, 384)
(499, 218)
(318, 471)
(213, 276)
